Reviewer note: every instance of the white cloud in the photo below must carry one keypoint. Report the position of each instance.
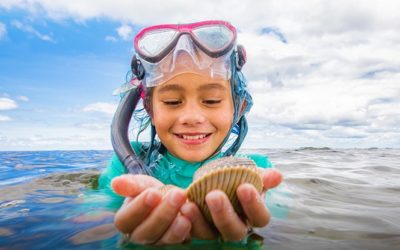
(29, 29)
(326, 89)
(325, 17)
(4, 118)
(7, 104)
(110, 39)
(335, 79)
(102, 107)
(125, 32)
(23, 98)
(3, 30)
(95, 125)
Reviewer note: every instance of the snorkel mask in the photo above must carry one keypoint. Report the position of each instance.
(162, 52)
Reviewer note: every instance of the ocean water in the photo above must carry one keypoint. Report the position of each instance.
(330, 199)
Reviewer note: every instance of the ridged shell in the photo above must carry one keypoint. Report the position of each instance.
(225, 174)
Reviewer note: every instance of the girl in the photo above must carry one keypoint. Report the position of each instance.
(196, 99)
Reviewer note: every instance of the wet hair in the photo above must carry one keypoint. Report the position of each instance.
(147, 100)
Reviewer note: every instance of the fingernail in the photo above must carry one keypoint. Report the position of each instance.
(214, 202)
(186, 210)
(176, 198)
(180, 227)
(152, 198)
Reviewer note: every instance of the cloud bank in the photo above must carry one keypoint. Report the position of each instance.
(321, 72)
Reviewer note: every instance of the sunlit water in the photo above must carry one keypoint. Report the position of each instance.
(330, 199)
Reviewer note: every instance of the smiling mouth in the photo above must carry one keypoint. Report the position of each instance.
(193, 137)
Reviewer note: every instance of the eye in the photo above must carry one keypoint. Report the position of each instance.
(211, 102)
(172, 102)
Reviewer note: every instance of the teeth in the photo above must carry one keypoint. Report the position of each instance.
(193, 137)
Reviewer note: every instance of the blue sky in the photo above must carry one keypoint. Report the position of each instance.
(51, 70)
(326, 78)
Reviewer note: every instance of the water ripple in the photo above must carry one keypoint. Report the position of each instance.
(330, 199)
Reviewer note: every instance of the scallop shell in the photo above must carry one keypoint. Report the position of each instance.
(225, 174)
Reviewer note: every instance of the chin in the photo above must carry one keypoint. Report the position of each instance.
(194, 157)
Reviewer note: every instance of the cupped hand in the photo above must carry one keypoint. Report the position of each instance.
(228, 223)
(147, 217)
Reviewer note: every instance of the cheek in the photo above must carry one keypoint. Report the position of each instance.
(227, 121)
(160, 118)
(224, 118)
(155, 114)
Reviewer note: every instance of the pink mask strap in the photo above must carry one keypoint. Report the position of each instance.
(138, 84)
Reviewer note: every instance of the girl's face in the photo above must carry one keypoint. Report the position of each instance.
(192, 114)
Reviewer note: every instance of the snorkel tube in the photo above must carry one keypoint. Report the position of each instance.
(119, 132)
(120, 124)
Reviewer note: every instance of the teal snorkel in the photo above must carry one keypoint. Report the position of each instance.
(120, 126)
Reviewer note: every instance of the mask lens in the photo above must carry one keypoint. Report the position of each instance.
(215, 37)
(152, 43)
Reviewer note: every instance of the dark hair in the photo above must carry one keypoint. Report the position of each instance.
(142, 116)
(147, 100)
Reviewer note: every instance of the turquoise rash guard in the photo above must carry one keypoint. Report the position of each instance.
(170, 169)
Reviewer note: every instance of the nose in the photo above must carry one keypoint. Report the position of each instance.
(192, 114)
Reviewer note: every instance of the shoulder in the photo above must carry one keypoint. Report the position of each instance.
(114, 168)
(261, 161)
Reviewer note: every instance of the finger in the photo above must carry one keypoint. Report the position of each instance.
(224, 216)
(200, 227)
(177, 232)
(132, 213)
(271, 178)
(130, 185)
(252, 203)
(160, 219)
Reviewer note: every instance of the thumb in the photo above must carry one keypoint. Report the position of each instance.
(271, 178)
(129, 185)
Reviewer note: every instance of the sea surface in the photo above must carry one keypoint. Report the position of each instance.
(330, 199)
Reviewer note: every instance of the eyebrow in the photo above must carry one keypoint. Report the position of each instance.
(170, 87)
(176, 87)
(217, 86)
